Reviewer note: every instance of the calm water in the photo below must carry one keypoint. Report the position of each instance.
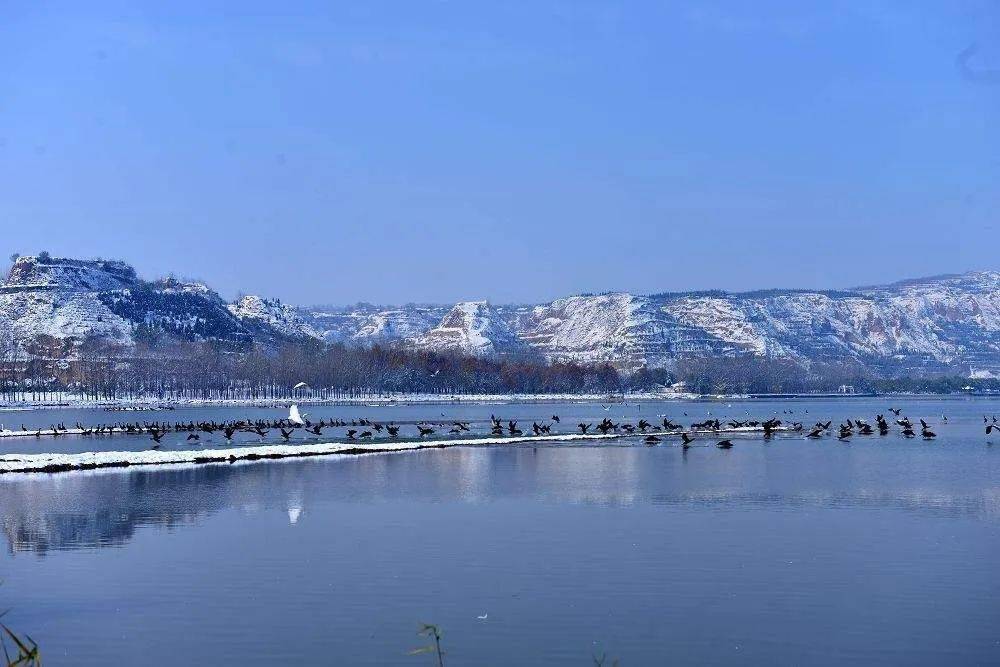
(882, 551)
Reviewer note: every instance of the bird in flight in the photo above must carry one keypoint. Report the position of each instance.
(294, 416)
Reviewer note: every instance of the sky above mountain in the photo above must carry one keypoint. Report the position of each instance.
(441, 151)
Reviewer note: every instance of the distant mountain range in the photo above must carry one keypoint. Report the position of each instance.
(49, 305)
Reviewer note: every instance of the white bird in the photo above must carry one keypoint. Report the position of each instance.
(483, 617)
(300, 385)
(294, 416)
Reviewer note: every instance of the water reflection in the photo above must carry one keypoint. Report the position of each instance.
(106, 508)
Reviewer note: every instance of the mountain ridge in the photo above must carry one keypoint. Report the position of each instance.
(949, 322)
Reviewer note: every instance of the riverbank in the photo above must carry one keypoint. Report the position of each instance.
(67, 400)
(159, 403)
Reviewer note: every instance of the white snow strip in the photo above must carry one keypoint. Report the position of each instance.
(52, 462)
(91, 460)
(47, 431)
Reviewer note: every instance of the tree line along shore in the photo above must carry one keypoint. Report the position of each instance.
(98, 370)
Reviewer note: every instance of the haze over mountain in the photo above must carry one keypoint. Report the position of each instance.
(49, 306)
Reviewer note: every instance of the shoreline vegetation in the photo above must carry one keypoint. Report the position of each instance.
(164, 371)
(69, 399)
(65, 399)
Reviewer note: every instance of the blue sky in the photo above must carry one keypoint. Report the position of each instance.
(516, 151)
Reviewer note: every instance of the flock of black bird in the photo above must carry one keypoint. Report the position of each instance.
(364, 428)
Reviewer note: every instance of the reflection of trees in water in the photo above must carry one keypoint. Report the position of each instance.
(42, 534)
(106, 508)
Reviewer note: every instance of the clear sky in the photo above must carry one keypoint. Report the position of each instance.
(516, 151)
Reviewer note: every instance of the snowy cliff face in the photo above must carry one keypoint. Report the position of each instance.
(48, 306)
(269, 316)
(927, 324)
(365, 324)
(59, 300)
(472, 327)
(930, 324)
(617, 328)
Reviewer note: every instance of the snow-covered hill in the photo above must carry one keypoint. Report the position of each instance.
(49, 305)
(928, 325)
(474, 328)
(267, 316)
(365, 324)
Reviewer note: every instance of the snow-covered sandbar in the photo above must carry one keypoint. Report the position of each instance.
(54, 462)
(25, 463)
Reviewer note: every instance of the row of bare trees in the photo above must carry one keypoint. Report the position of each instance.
(103, 370)
(753, 374)
(99, 369)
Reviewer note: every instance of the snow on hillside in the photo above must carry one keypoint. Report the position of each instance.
(471, 327)
(58, 299)
(725, 320)
(69, 274)
(587, 329)
(282, 318)
(928, 324)
(390, 325)
(365, 324)
(48, 306)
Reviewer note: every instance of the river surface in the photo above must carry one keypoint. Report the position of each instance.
(882, 550)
